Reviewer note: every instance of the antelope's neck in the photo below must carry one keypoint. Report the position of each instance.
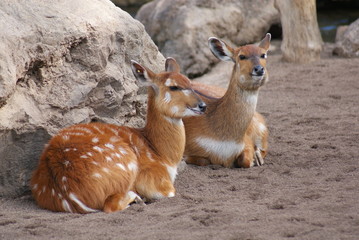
(166, 135)
(233, 113)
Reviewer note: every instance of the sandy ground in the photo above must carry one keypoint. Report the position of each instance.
(307, 189)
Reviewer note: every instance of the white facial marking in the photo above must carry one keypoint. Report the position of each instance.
(110, 146)
(97, 175)
(174, 109)
(222, 149)
(242, 79)
(167, 97)
(171, 194)
(97, 148)
(132, 166)
(120, 165)
(187, 92)
(108, 159)
(168, 82)
(188, 112)
(95, 140)
(74, 198)
(172, 172)
(84, 156)
(66, 206)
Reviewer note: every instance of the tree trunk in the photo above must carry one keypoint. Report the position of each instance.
(302, 41)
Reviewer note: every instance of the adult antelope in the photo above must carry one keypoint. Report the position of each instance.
(90, 167)
(231, 133)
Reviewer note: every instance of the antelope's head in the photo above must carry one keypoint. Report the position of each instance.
(250, 61)
(172, 92)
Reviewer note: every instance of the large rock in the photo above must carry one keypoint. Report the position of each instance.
(60, 64)
(347, 45)
(181, 28)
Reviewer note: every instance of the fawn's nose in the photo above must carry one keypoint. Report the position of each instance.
(202, 106)
(258, 70)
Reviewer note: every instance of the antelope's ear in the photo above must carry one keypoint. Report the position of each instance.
(265, 43)
(220, 49)
(144, 75)
(172, 65)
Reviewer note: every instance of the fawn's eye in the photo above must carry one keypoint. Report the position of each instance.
(242, 57)
(264, 55)
(175, 88)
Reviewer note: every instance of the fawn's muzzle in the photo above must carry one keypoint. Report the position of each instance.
(258, 70)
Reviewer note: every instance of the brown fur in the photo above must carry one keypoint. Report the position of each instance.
(102, 164)
(230, 117)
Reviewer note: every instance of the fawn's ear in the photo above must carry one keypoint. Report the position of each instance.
(143, 75)
(265, 43)
(172, 65)
(220, 49)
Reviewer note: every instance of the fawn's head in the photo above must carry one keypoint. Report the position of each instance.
(250, 61)
(172, 91)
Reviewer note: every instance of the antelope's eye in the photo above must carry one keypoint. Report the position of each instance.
(242, 57)
(264, 55)
(175, 88)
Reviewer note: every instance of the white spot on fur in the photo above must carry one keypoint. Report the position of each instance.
(171, 194)
(110, 146)
(262, 128)
(120, 165)
(43, 189)
(97, 148)
(59, 195)
(74, 149)
(65, 137)
(64, 179)
(94, 163)
(122, 151)
(66, 206)
(108, 159)
(117, 155)
(97, 175)
(35, 187)
(113, 139)
(84, 156)
(74, 198)
(66, 163)
(222, 149)
(67, 149)
(149, 155)
(106, 170)
(132, 166)
(95, 140)
(90, 154)
(172, 172)
(99, 130)
(52, 192)
(167, 97)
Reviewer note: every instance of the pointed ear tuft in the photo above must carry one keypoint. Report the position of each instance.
(265, 43)
(220, 49)
(172, 65)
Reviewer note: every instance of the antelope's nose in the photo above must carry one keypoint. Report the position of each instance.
(258, 70)
(202, 106)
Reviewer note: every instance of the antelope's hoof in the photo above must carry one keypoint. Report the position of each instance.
(258, 160)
